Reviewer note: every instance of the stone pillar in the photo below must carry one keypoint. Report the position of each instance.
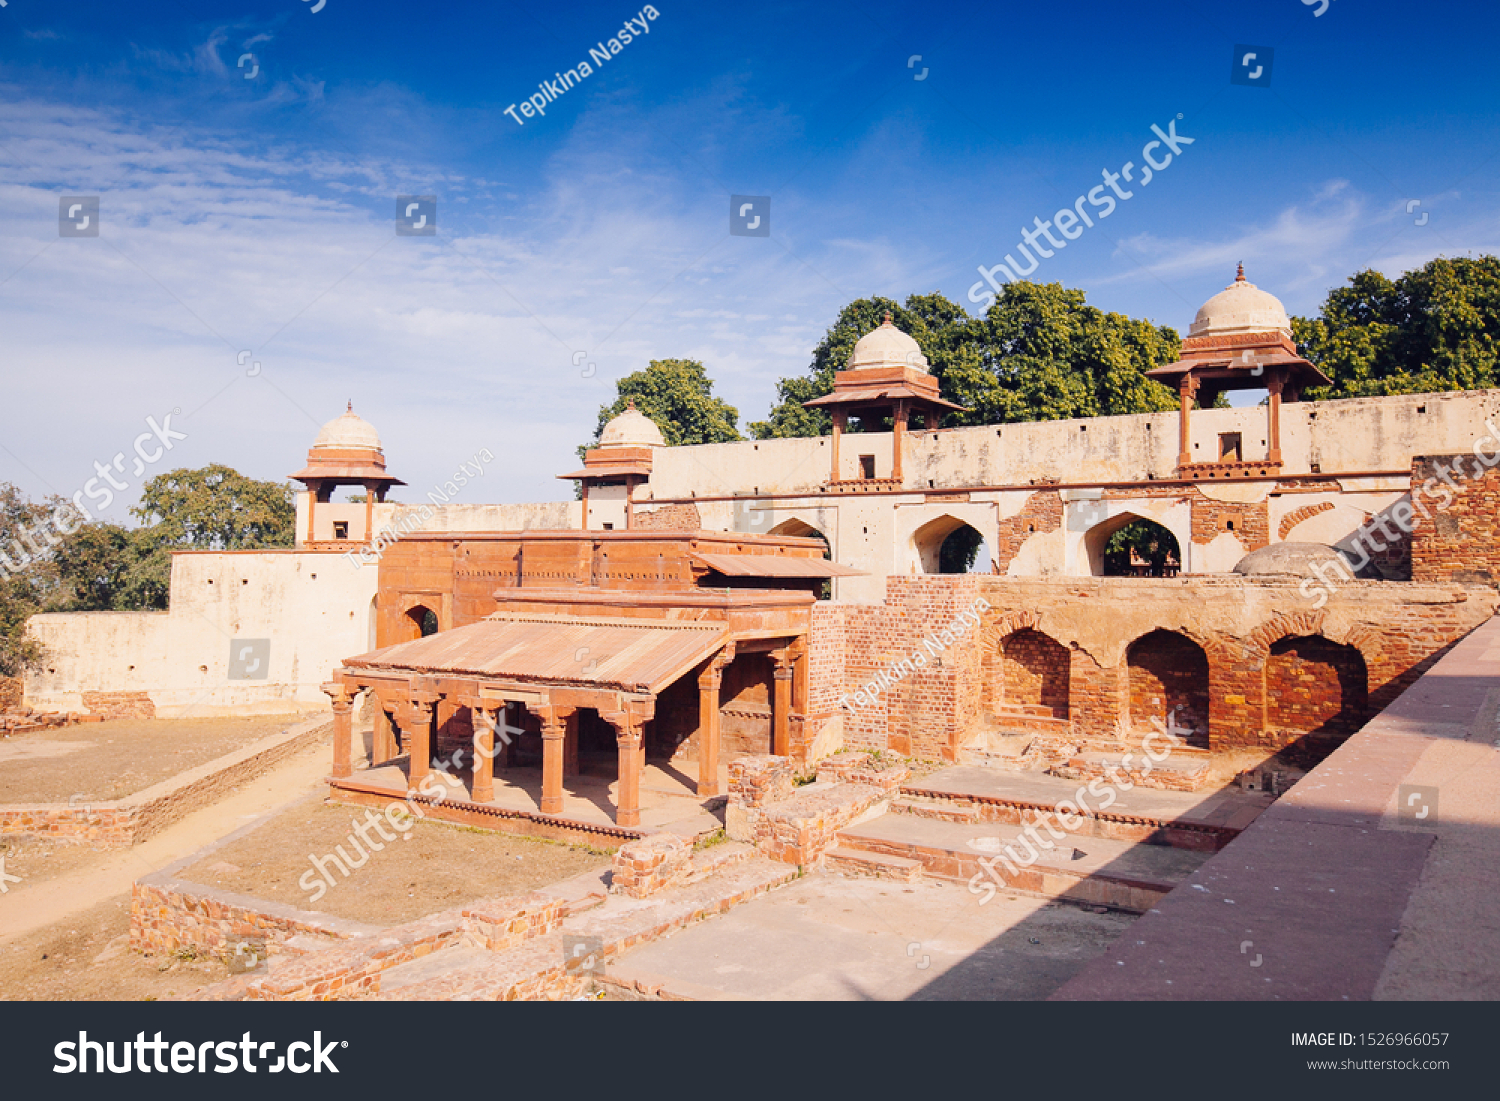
(1273, 416)
(384, 744)
(570, 745)
(343, 728)
(1187, 389)
(369, 514)
(483, 787)
(709, 682)
(781, 706)
(628, 738)
(422, 709)
(584, 493)
(839, 421)
(898, 439)
(554, 731)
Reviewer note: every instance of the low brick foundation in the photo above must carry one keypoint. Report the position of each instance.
(131, 820)
(354, 971)
(120, 705)
(653, 863)
(168, 915)
(798, 825)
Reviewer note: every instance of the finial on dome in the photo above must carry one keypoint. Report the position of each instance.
(887, 317)
(1240, 275)
(351, 406)
(630, 403)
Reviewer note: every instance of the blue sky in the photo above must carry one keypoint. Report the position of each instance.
(256, 215)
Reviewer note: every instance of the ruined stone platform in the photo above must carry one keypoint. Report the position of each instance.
(668, 800)
(1122, 875)
(1186, 819)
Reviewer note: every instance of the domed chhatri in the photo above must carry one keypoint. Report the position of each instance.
(632, 428)
(1241, 307)
(887, 346)
(348, 430)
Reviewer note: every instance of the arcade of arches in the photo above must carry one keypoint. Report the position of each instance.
(1090, 662)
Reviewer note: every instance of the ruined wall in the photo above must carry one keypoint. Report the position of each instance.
(1228, 660)
(1459, 542)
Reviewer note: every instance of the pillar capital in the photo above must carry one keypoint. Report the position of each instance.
(339, 693)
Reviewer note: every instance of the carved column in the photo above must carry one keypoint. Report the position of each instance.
(570, 745)
(1187, 390)
(384, 743)
(898, 439)
(628, 738)
(343, 728)
(482, 789)
(1273, 416)
(554, 733)
(840, 419)
(422, 707)
(709, 682)
(781, 707)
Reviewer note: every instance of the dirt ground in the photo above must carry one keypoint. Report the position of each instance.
(438, 867)
(38, 859)
(87, 958)
(103, 761)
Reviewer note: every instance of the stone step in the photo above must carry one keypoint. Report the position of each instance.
(876, 865)
(1089, 870)
(1176, 773)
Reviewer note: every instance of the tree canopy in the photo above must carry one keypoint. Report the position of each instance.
(1039, 353)
(677, 395)
(1433, 329)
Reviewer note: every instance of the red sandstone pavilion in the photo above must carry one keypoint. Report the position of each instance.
(678, 623)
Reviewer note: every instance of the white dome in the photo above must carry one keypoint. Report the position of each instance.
(1241, 307)
(348, 430)
(887, 346)
(631, 428)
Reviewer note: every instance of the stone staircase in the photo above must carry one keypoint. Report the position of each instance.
(1125, 855)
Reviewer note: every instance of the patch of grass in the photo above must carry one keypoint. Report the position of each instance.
(718, 837)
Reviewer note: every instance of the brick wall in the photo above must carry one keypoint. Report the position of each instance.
(1249, 523)
(1462, 541)
(666, 518)
(1034, 672)
(1315, 686)
(1226, 627)
(1043, 512)
(1167, 674)
(120, 705)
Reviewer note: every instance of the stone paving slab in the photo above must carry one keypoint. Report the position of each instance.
(828, 938)
(1125, 860)
(1210, 808)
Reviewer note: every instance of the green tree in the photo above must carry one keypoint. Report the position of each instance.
(28, 576)
(1039, 353)
(678, 396)
(216, 508)
(1433, 329)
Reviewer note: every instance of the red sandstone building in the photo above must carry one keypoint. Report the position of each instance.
(646, 635)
